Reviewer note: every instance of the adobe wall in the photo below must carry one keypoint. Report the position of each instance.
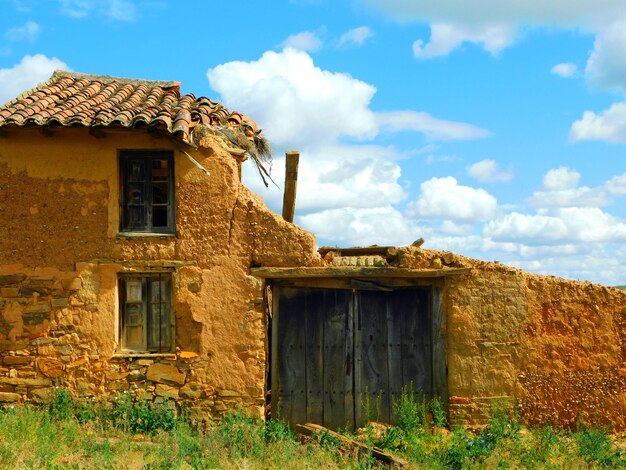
(555, 347)
(60, 257)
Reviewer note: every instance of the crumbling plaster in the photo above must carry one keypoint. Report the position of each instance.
(60, 256)
(556, 347)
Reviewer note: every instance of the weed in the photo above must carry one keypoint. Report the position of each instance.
(438, 413)
(595, 446)
(410, 410)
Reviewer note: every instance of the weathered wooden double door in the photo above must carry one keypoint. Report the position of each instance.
(341, 356)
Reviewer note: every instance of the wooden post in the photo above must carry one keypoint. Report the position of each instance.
(291, 181)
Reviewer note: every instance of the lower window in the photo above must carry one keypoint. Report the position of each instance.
(146, 320)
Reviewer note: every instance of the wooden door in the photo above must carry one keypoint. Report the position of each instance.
(312, 380)
(393, 350)
(342, 356)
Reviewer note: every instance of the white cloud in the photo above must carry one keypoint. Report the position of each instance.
(452, 228)
(575, 197)
(495, 24)
(565, 69)
(77, 8)
(361, 227)
(358, 176)
(617, 185)
(561, 178)
(488, 170)
(120, 10)
(609, 126)
(606, 65)
(30, 71)
(430, 159)
(444, 198)
(560, 189)
(574, 224)
(564, 13)
(355, 37)
(445, 37)
(303, 41)
(28, 32)
(297, 103)
(432, 128)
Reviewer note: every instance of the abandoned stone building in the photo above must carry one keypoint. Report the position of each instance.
(132, 259)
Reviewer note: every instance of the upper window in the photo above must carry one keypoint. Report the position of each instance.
(146, 322)
(147, 184)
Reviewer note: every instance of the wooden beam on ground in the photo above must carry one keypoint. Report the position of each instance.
(291, 182)
(351, 445)
(354, 272)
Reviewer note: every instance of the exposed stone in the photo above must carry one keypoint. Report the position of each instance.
(166, 391)
(8, 345)
(10, 292)
(188, 355)
(62, 302)
(41, 395)
(79, 362)
(192, 391)
(44, 340)
(458, 400)
(165, 373)
(116, 375)
(65, 349)
(136, 375)
(228, 393)
(26, 382)
(7, 397)
(11, 279)
(50, 367)
(17, 360)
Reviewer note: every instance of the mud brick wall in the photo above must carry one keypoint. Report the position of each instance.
(554, 348)
(61, 258)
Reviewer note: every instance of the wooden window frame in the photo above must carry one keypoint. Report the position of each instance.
(146, 157)
(148, 311)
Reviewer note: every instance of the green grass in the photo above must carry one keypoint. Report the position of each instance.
(127, 434)
(621, 287)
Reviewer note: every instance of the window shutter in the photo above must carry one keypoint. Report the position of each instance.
(134, 316)
(159, 323)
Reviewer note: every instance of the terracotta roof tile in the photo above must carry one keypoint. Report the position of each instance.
(70, 99)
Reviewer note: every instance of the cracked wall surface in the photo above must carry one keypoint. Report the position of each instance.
(61, 256)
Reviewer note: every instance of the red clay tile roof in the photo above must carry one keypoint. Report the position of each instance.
(75, 99)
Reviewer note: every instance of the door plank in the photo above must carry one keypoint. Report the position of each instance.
(291, 404)
(314, 327)
(416, 345)
(349, 363)
(374, 363)
(396, 310)
(336, 303)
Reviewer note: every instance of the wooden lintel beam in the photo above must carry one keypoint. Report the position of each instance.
(354, 271)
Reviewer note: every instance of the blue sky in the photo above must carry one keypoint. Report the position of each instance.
(495, 130)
